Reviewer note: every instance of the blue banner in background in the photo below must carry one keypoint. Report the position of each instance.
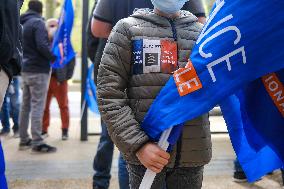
(90, 93)
(62, 47)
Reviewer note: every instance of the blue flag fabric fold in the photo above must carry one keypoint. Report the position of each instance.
(256, 129)
(255, 162)
(3, 182)
(90, 93)
(240, 42)
(62, 46)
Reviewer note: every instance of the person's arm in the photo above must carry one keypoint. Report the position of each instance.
(196, 7)
(6, 49)
(101, 29)
(113, 78)
(41, 39)
(102, 19)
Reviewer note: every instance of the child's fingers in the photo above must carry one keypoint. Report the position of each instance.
(160, 160)
(155, 169)
(158, 165)
(164, 154)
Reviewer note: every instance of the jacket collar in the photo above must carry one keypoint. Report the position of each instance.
(149, 15)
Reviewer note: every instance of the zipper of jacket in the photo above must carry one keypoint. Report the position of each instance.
(174, 31)
(179, 142)
(136, 106)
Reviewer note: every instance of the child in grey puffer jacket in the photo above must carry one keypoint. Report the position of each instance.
(141, 54)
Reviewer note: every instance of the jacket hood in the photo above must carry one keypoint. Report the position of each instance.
(29, 15)
(150, 16)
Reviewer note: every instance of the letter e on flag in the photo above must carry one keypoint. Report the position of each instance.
(187, 80)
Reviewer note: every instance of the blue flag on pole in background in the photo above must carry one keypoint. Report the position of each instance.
(241, 41)
(3, 182)
(62, 47)
(90, 93)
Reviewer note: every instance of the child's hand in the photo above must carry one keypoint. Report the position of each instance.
(153, 157)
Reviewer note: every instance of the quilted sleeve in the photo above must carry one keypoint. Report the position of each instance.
(113, 79)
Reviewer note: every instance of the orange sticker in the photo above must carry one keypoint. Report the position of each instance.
(275, 89)
(187, 81)
(169, 56)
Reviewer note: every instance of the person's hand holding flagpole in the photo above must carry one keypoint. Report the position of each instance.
(150, 175)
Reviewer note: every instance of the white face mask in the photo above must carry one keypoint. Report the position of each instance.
(51, 26)
(168, 6)
(51, 32)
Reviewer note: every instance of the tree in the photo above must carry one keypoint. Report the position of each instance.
(50, 8)
(208, 4)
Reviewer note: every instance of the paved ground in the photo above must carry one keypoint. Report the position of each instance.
(71, 166)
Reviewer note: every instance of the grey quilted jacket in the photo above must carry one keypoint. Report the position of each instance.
(131, 76)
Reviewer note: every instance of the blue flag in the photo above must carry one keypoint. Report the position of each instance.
(255, 124)
(90, 93)
(62, 47)
(241, 41)
(3, 182)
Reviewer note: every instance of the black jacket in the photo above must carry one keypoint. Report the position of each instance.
(65, 73)
(92, 41)
(37, 54)
(10, 47)
(95, 46)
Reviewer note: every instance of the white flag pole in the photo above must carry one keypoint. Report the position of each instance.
(149, 176)
(83, 109)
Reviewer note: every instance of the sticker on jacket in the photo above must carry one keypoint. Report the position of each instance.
(151, 56)
(169, 56)
(137, 57)
(154, 56)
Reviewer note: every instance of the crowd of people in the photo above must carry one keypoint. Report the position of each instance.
(29, 70)
(127, 83)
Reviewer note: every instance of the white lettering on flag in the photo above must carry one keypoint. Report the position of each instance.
(188, 84)
(177, 75)
(227, 29)
(227, 59)
(205, 32)
(275, 89)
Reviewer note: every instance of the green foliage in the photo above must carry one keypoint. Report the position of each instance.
(208, 5)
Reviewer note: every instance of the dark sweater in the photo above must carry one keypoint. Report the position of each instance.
(37, 54)
(9, 37)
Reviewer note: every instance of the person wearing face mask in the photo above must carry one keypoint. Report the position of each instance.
(105, 15)
(58, 88)
(140, 56)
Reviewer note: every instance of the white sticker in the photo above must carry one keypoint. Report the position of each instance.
(151, 56)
